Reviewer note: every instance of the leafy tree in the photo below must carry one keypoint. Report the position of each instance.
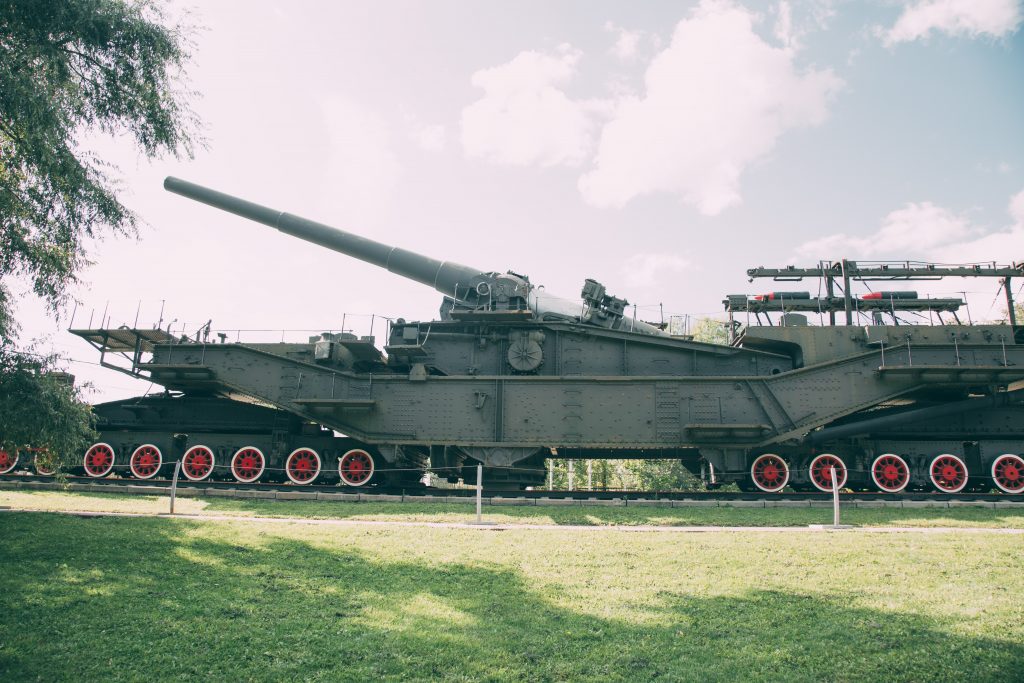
(40, 406)
(711, 331)
(69, 69)
(605, 474)
(662, 475)
(625, 474)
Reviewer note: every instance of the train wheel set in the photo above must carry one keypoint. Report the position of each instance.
(303, 466)
(769, 473)
(35, 460)
(8, 461)
(1008, 473)
(887, 473)
(246, 465)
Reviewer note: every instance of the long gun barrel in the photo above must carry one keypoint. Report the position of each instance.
(444, 276)
(471, 286)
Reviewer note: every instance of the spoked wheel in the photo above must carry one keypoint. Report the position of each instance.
(890, 473)
(145, 461)
(1008, 473)
(770, 473)
(821, 472)
(99, 460)
(43, 463)
(948, 473)
(356, 467)
(247, 464)
(197, 463)
(8, 461)
(302, 466)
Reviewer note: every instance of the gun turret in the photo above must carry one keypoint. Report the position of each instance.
(464, 287)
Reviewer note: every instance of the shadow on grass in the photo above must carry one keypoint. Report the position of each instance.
(145, 599)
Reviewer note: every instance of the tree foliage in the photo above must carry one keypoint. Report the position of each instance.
(711, 331)
(623, 474)
(70, 69)
(40, 406)
(663, 475)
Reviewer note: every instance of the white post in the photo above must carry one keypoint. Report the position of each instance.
(835, 498)
(479, 491)
(590, 475)
(551, 473)
(174, 484)
(571, 472)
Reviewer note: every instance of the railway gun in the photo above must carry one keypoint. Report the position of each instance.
(508, 376)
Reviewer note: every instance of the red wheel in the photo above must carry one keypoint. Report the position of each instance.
(302, 466)
(43, 462)
(145, 461)
(948, 473)
(821, 472)
(8, 461)
(247, 464)
(197, 463)
(890, 473)
(99, 460)
(770, 473)
(1008, 473)
(356, 467)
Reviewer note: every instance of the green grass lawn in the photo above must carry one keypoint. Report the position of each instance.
(465, 512)
(168, 599)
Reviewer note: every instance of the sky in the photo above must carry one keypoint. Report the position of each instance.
(661, 148)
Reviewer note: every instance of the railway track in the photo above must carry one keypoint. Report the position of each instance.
(507, 497)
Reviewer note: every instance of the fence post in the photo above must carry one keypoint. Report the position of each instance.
(835, 502)
(479, 491)
(835, 499)
(174, 484)
(479, 497)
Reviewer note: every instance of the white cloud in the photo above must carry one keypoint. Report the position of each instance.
(716, 100)
(970, 18)
(915, 229)
(925, 232)
(524, 118)
(822, 12)
(1017, 212)
(1002, 167)
(642, 270)
(784, 24)
(1003, 246)
(792, 25)
(362, 169)
(626, 42)
(426, 136)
